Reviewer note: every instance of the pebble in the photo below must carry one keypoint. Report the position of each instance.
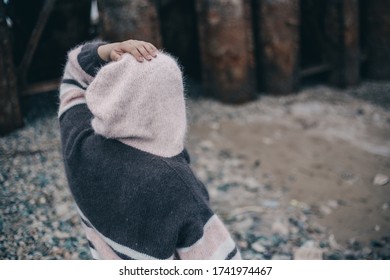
(252, 184)
(336, 255)
(38, 219)
(281, 257)
(380, 179)
(279, 227)
(258, 247)
(270, 203)
(325, 210)
(333, 204)
(332, 242)
(61, 235)
(308, 251)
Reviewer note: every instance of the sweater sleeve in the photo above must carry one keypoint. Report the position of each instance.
(213, 242)
(82, 65)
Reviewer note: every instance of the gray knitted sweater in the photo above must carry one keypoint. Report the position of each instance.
(133, 204)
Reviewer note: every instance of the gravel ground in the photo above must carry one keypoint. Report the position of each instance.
(38, 219)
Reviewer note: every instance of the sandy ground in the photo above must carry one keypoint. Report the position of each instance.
(292, 177)
(318, 150)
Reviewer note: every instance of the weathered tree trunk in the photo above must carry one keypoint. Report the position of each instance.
(226, 49)
(277, 25)
(378, 39)
(180, 33)
(136, 19)
(10, 115)
(352, 56)
(342, 47)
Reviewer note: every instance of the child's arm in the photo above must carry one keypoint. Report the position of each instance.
(86, 60)
(139, 49)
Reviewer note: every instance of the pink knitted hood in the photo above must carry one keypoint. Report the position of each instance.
(140, 104)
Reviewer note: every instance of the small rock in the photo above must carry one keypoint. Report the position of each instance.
(377, 228)
(256, 163)
(62, 209)
(252, 184)
(333, 204)
(347, 176)
(83, 256)
(67, 255)
(61, 235)
(337, 255)
(243, 226)
(243, 244)
(308, 251)
(281, 257)
(354, 244)
(325, 210)
(333, 243)
(42, 200)
(206, 144)
(380, 179)
(376, 244)
(360, 111)
(350, 255)
(280, 228)
(270, 203)
(385, 206)
(258, 247)
(298, 204)
(324, 244)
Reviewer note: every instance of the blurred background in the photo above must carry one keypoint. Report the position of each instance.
(288, 107)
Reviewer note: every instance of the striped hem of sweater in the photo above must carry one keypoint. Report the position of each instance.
(214, 244)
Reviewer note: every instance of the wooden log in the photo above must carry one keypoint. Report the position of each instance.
(277, 27)
(10, 114)
(342, 48)
(377, 38)
(226, 49)
(179, 33)
(352, 57)
(122, 20)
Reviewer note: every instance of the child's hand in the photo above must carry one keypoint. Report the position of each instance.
(139, 49)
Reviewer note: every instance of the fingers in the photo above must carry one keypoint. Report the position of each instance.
(144, 52)
(139, 49)
(114, 56)
(151, 49)
(131, 48)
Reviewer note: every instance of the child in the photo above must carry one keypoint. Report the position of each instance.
(123, 126)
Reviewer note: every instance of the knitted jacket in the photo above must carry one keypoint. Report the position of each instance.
(136, 200)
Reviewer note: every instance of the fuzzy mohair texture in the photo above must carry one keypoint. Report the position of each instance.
(141, 104)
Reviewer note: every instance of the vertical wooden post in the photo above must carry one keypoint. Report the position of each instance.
(277, 25)
(10, 114)
(342, 47)
(226, 49)
(378, 39)
(136, 19)
(180, 33)
(352, 55)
